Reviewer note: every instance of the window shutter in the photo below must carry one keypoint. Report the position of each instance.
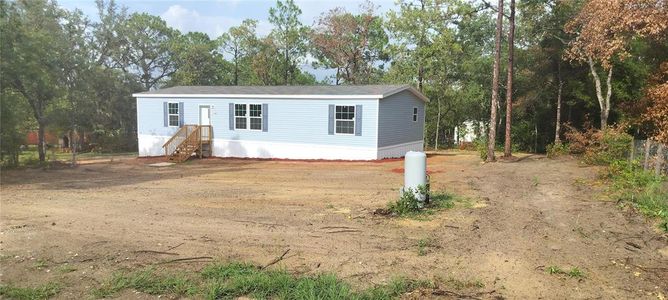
(231, 116)
(165, 113)
(358, 120)
(181, 119)
(265, 116)
(331, 119)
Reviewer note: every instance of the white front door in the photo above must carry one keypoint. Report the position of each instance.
(204, 115)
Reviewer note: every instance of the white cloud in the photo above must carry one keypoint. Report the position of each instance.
(187, 20)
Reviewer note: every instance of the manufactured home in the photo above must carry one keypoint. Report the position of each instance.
(365, 122)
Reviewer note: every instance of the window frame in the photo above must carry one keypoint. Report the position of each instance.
(346, 120)
(177, 114)
(415, 114)
(247, 116)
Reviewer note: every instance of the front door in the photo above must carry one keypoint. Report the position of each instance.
(205, 119)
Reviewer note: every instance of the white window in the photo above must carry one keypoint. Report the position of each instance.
(173, 114)
(415, 112)
(248, 116)
(345, 119)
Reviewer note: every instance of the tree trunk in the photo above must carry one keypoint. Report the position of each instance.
(491, 140)
(438, 124)
(507, 149)
(603, 101)
(41, 143)
(557, 139)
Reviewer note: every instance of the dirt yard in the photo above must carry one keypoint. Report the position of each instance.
(520, 218)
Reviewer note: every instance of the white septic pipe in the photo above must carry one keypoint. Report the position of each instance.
(415, 173)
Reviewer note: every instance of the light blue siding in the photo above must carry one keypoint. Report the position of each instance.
(289, 120)
(395, 121)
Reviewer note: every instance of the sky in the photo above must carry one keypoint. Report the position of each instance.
(215, 17)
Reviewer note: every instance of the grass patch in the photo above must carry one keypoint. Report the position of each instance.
(29, 293)
(640, 189)
(459, 284)
(66, 269)
(40, 264)
(409, 206)
(148, 281)
(424, 245)
(573, 272)
(232, 280)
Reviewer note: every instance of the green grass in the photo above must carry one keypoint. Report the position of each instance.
(232, 280)
(148, 281)
(29, 293)
(644, 191)
(424, 244)
(407, 205)
(574, 272)
(66, 269)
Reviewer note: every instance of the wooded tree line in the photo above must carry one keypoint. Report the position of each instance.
(573, 61)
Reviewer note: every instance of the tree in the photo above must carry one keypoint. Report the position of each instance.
(289, 37)
(604, 37)
(352, 44)
(33, 53)
(239, 42)
(491, 140)
(196, 61)
(507, 149)
(147, 49)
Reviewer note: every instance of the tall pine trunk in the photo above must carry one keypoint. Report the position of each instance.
(557, 139)
(507, 149)
(491, 140)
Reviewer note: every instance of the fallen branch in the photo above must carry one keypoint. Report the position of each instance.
(155, 252)
(276, 260)
(185, 259)
(344, 230)
(172, 248)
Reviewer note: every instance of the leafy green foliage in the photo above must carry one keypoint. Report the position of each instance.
(556, 150)
(639, 188)
(29, 293)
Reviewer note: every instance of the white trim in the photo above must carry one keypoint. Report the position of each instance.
(346, 120)
(255, 96)
(150, 145)
(248, 117)
(268, 96)
(178, 114)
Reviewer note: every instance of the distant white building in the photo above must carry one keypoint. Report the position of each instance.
(468, 132)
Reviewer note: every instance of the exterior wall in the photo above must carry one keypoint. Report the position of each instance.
(399, 150)
(395, 122)
(297, 129)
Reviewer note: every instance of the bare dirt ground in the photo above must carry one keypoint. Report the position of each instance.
(522, 217)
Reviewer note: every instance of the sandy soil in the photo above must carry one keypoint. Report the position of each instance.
(522, 217)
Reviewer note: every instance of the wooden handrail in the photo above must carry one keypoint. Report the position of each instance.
(187, 140)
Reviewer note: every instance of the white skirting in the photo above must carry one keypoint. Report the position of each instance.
(400, 149)
(150, 145)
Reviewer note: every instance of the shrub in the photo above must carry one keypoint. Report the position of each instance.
(407, 203)
(481, 146)
(556, 150)
(599, 147)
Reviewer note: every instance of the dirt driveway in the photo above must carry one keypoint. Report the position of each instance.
(521, 218)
